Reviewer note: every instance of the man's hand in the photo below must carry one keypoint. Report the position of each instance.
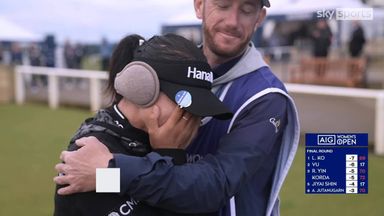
(177, 132)
(79, 167)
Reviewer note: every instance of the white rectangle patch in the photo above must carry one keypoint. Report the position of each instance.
(108, 180)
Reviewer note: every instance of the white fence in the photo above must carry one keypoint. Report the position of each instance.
(96, 77)
(53, 74)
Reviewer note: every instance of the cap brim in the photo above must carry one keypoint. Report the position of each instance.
(203, 102)
(266, 3)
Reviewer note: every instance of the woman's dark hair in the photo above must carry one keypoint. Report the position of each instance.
(121, 56)
(170, 47)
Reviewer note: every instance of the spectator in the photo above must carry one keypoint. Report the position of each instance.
(322, 39)
(16, 54)
(49, 49)
(69, 54)
(48, 53)
(79, 53)
(356, 44)
(1, 53)
(105, 53)
(34, 53)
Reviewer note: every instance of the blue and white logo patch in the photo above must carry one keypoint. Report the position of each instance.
(183, 98)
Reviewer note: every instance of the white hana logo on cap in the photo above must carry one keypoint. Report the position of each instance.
(201, 75)
(183, 98)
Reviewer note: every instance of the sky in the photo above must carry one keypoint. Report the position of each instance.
(90, 20)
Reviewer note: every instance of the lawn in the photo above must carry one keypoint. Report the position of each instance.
(32, 137)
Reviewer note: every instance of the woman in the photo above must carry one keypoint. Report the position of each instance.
(152, 81)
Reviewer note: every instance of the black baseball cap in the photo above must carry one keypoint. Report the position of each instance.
(188, 84)
(177, 67)
(266, 3)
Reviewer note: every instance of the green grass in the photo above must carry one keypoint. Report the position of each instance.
(91, 63)
(32, 137)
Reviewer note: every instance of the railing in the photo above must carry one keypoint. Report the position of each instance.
(348, 72)
(95, 78)
(53, 85)
(276, 51)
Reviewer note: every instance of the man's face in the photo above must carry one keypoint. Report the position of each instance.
(228, 25)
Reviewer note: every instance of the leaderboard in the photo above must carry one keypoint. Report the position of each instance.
(336, 163)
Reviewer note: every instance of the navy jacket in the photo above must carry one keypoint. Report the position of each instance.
(246, 158)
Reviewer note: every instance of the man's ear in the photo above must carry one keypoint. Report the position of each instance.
(260, 18)
(198, 4)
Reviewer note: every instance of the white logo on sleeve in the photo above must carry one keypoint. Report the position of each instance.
(275, 123)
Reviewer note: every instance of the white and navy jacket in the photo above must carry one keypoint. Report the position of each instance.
(238, 165)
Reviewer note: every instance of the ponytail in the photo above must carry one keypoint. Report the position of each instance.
(121, 56)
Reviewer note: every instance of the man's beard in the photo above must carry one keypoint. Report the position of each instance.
(215, 49)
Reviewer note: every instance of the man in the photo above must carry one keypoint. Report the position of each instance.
(357, 41)
(246, 158)
(322, 39)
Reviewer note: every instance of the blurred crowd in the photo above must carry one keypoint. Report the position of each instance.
(49, 53)
(317, 37)
(281, 42)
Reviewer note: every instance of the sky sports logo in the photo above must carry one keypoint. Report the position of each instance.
(346, 14)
